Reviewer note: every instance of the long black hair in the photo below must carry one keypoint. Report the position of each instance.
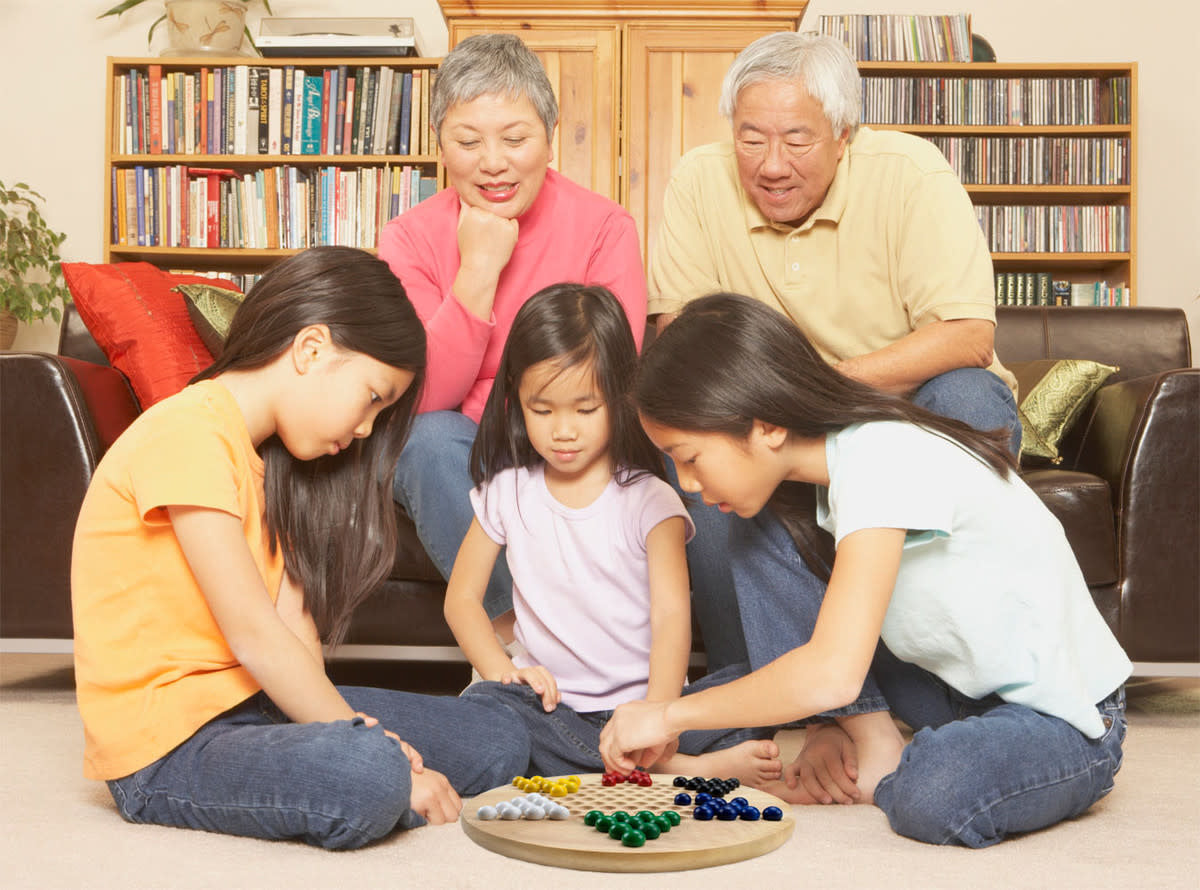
(729, 360)
(573, 325)
(333, 516)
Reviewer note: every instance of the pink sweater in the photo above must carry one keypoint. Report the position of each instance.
(568, 234)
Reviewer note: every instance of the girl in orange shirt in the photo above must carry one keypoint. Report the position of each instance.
(227, 531)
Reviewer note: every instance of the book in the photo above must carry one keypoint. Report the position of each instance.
(348, 123)
(405, 129)
(241, 110)
(418, 117)
(287, 113)
(367, 143)
(264, 109)
(275, 111)
(1044, 296)
(155, 101)
(339, 121)
(392, 124)
(383, 107)
(310, 143)
(328, 104)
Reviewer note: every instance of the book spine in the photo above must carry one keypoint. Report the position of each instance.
(405, 128)
(328, 102)
(264, 109)
(275, 111)
(288, 115)
(241, 111)
(348, 123)
(155, 102)
(311, 133)
(368, 138)
(393, 117)
(339, 120)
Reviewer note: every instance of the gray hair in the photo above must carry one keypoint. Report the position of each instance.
(490, 64)
(823, 64)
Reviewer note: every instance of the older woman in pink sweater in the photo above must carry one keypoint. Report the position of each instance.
(471, 255)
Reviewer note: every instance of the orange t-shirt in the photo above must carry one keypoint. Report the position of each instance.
(151, 665)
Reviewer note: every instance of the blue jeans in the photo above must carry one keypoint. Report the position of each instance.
(252, 772)
(566, 741)
(977, 771)
(432, 483)
(752, 594)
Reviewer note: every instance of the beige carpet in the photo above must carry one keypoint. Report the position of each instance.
(60, 831)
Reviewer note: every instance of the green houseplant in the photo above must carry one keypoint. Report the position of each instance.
(198, 26)
(31, 282)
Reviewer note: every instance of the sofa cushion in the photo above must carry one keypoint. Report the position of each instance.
(1083, 504)
(1053, 393)
(140, 323)
(211, 309)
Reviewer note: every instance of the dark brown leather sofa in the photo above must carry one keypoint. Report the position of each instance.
(1128, 491)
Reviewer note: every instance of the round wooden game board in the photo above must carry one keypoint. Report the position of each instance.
(571, 844)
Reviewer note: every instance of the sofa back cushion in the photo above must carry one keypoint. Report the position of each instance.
(1139, 340)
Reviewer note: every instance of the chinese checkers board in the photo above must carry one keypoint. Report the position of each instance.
(570, 843)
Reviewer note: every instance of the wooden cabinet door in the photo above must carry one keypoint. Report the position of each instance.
(583, 62)
(672, 85)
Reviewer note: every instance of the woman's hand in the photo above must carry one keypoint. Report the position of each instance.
(540, 680)
(636, 735)
(485, 245)
(433, 798)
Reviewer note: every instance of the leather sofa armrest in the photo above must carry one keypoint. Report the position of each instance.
(1141, 436)
(51, 417)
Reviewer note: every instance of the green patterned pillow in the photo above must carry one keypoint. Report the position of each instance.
(1053, 393)
(211, 309)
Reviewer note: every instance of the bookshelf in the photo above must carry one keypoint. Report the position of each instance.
(183, 189)
(1047, 153)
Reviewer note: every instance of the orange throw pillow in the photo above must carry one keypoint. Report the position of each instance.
(141, 324)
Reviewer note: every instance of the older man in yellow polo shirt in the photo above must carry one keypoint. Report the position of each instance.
(869, 243)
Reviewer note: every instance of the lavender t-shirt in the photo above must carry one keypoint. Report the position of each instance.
(581, 591)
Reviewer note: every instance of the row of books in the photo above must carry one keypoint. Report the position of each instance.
(902, 38)
(1055, 229)
(280, 110)
(242, 280)
(1044, 160)
(996, 101)
(277, 207)
(1042, 289)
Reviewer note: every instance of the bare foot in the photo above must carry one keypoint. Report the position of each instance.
(755, 763)
(879, 746)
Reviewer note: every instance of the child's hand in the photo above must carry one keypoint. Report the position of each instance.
(635, 736)
(433, 798)
(540, 680)
(827, 766)
(414, 758)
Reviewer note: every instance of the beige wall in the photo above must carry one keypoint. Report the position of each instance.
(52, 134)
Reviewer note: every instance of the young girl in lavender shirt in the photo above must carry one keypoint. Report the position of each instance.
(569, 484)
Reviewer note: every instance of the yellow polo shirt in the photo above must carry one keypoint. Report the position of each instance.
(894, 246)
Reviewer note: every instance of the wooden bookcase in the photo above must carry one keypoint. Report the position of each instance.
(1044, 152)
(119, 158)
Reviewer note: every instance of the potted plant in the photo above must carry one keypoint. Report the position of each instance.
(198, 26)
(31, 282)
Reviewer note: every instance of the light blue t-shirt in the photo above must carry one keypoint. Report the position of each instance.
(989, 596)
